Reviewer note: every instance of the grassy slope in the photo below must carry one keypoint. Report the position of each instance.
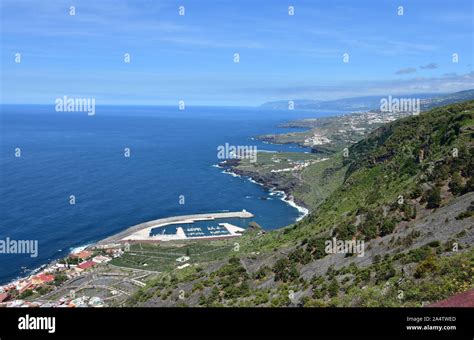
(384, 166)
(320, 180)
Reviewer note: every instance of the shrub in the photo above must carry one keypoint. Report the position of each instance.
(369, 230)
(417, 192)
(387, 227)
(385, 272)
(316, 247)
(346, 231)
(261, 273)
(300, 256)
(25, 294)
(333, 288)
(427, 266)
(433, 198)
(285, 271)
(434, 244)
(417, 255)
(59, 279)
(456, 185)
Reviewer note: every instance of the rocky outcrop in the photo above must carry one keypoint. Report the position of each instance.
(270, 180)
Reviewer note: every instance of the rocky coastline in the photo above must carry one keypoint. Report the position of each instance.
(271, 181)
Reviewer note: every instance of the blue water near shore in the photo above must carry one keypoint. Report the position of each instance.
(172, 154)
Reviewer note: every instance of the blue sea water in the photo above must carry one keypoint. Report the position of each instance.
(172, 154)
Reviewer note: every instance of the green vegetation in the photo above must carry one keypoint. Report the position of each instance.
(59, 279)
(285, 271)
(468, 213)
(310, 181)
(433, 198)
(161, 257)
(398, 176)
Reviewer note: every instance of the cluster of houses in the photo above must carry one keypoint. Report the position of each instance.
(317, 139)
(296, 165)
(13, 293)
(83, 301)
(374, 118)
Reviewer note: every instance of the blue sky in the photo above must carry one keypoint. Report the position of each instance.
(191, 57)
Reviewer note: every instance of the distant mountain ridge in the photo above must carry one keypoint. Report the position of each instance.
(366, 103)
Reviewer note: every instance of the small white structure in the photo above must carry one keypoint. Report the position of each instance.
(182, 259)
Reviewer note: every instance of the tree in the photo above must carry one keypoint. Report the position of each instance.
(333, 288)
(385, 272)
(285, 270)
(413, 212)
(346, 231)
(261, 273)
(25, 294)
(443, 172)
(369, 230)
(215, 294)
(456, 185)
(469, 185)
(433, 198)
(317, 247)
(293, 273)
(417, 192)
(427, 266)
(387, 227)
(59, 279)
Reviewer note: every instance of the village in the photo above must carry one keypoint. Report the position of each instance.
(295, 165)
(333, 133)
(33, 290)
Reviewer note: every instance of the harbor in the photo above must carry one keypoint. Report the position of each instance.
(187, 227)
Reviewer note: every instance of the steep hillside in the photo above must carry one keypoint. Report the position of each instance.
(406, 193)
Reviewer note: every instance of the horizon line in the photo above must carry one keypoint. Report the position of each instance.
(252, 106)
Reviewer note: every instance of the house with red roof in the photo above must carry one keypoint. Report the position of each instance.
(86, 265)
(4, 297)
(24, 286)
(42, 278)
(83, 255)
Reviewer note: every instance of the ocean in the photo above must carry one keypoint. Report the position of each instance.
(173, 155)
